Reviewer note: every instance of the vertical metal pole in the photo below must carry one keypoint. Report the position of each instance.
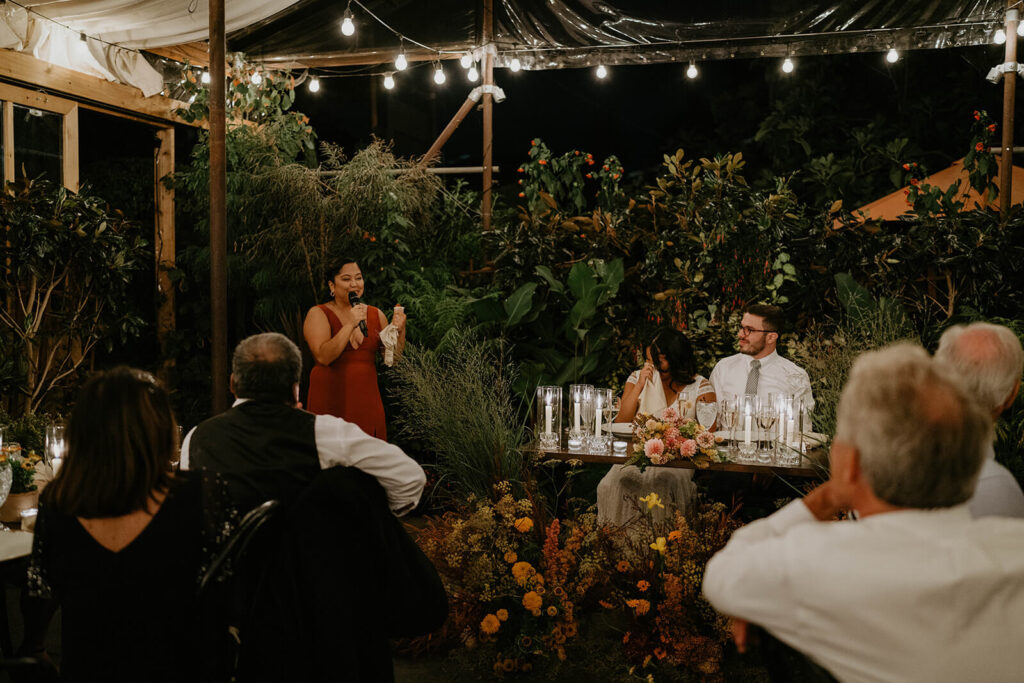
(488, 26)
(218, 213)
(1009, 97)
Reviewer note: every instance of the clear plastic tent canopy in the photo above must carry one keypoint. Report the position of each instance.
(552, 34)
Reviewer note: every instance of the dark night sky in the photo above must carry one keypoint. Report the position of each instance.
(642, 112)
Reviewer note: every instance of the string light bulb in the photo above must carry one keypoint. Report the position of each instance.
(347, 27)
(1000, 37)
(400, 61)
(892, 56)
(787, 66)
(472, 74)
(466, 60)
(1020, 29)
(256, 78)
(314, 85)
(389, 82)
(516, 66)
(691, 71)
(439, 76)
(205, 78)
(602, 72)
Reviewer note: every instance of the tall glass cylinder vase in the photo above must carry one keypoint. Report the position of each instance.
(599, 440)
(581, 398)
(746, 427)
(549, 417)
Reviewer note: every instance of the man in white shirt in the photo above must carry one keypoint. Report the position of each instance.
(988, 359)
(916, 589)
(266, 447)
(758, 368)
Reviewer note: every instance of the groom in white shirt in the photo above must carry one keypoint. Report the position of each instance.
(758, 368)
(915, 589)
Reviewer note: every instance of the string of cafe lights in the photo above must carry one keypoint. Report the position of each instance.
(470, 58)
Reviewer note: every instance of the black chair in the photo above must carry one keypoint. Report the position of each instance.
(228, 586)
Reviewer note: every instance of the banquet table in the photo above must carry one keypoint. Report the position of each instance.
(15, 544)
(810, 467)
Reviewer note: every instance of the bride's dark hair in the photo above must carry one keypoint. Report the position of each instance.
(673, 344)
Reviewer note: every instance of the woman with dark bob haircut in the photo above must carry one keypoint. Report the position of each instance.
(668, 379)
(119, 538)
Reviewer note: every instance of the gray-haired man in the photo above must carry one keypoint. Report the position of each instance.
(916, 589)
(266, 447)
(988, 359)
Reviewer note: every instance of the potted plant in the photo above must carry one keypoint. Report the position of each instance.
(24, 492)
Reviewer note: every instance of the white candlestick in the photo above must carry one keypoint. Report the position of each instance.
(56, 465)
(597, 418)
(576, 420)
(547, 418)
(746, 429)
(791, 429)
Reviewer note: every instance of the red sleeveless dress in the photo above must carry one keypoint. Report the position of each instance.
(347, 388)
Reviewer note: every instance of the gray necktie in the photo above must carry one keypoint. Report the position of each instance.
(752, 376)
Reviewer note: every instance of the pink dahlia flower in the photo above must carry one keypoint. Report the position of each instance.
(687, 448)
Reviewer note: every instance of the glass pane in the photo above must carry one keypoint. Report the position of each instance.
(37, 142)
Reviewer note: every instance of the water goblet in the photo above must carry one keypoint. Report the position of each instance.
(706, 413)
(767, 416)
(727, 413)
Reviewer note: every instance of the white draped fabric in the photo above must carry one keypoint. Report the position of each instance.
(128, 23)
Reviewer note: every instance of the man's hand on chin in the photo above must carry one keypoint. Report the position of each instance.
(826, 501)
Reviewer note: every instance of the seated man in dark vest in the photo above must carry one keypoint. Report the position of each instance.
(266, 447)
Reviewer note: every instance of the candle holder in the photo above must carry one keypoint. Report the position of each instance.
(549, 417)
(581, 398)
(56, 444)
(600, 438)
(747, 419)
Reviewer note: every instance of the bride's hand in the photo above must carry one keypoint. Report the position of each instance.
(645, 375)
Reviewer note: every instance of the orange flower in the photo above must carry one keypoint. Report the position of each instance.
(914, 181)
(640, 607)
(523, 524)
(992, 128)
(660, 653)
(625, 638)
(502, 614)
(980, 146)
(576, 152)
(906, 167)
(622, 566)
(520, 181)
(511, 556)
(372, 238)
(590, 161)
(533, 143)
(675, 535)
(490, 624)
(977, 116)
(615, 176)
(522, 571)
(542, 162)
(520, 170)
(552, 610)
(605, 604)
(642, 585)
(590, 175)
(532, 601)
(522, 194)
(605, 167)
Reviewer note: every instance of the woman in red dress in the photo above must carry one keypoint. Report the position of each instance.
(344, 380)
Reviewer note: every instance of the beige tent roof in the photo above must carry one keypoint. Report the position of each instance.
(892, 206)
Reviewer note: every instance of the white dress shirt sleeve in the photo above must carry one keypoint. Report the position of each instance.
(751, 578)
(183, 457)
(343, 443)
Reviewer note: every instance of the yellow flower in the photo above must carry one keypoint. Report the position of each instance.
(622, 566)
(532, 601)
(502, 614)
(659, 545)
(490, 624)
(653, 500)
(639, 606)
(522, 571)
(523, 524)
(552, 610)
(675, 535)
(511, 556)
(642, 585)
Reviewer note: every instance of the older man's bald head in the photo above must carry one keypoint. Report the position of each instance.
(987, 358)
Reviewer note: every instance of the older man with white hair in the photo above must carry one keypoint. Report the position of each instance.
(989, 359)
(916, 589)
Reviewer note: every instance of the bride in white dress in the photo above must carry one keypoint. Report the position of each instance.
(669, 377)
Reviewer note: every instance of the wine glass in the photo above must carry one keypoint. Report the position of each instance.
(727, 410)
(767, 415)
(706, 413)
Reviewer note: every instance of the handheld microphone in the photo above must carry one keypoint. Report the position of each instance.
(354, 300)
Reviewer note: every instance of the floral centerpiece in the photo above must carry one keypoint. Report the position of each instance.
(669, 436)
(23, 471)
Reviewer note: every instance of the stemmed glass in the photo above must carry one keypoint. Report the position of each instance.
(767, 415)
(706, 413)
(56, 446)
(727, 411)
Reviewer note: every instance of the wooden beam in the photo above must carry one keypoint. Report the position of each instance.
(488, 179)
(1009, 101)
(196, 53)
(35, 73)
(8, 138)
(218, 213)
(364, 57)
(447, 132)
(69, 150)
(163, 229)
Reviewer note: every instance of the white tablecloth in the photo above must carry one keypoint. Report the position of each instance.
(15, 544)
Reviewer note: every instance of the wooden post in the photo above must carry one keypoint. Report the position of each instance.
(1009, 97)
(488, 27)
(69, 149)
(218, 214)
(163, 165)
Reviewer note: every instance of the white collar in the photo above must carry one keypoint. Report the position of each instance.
(767, 360)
